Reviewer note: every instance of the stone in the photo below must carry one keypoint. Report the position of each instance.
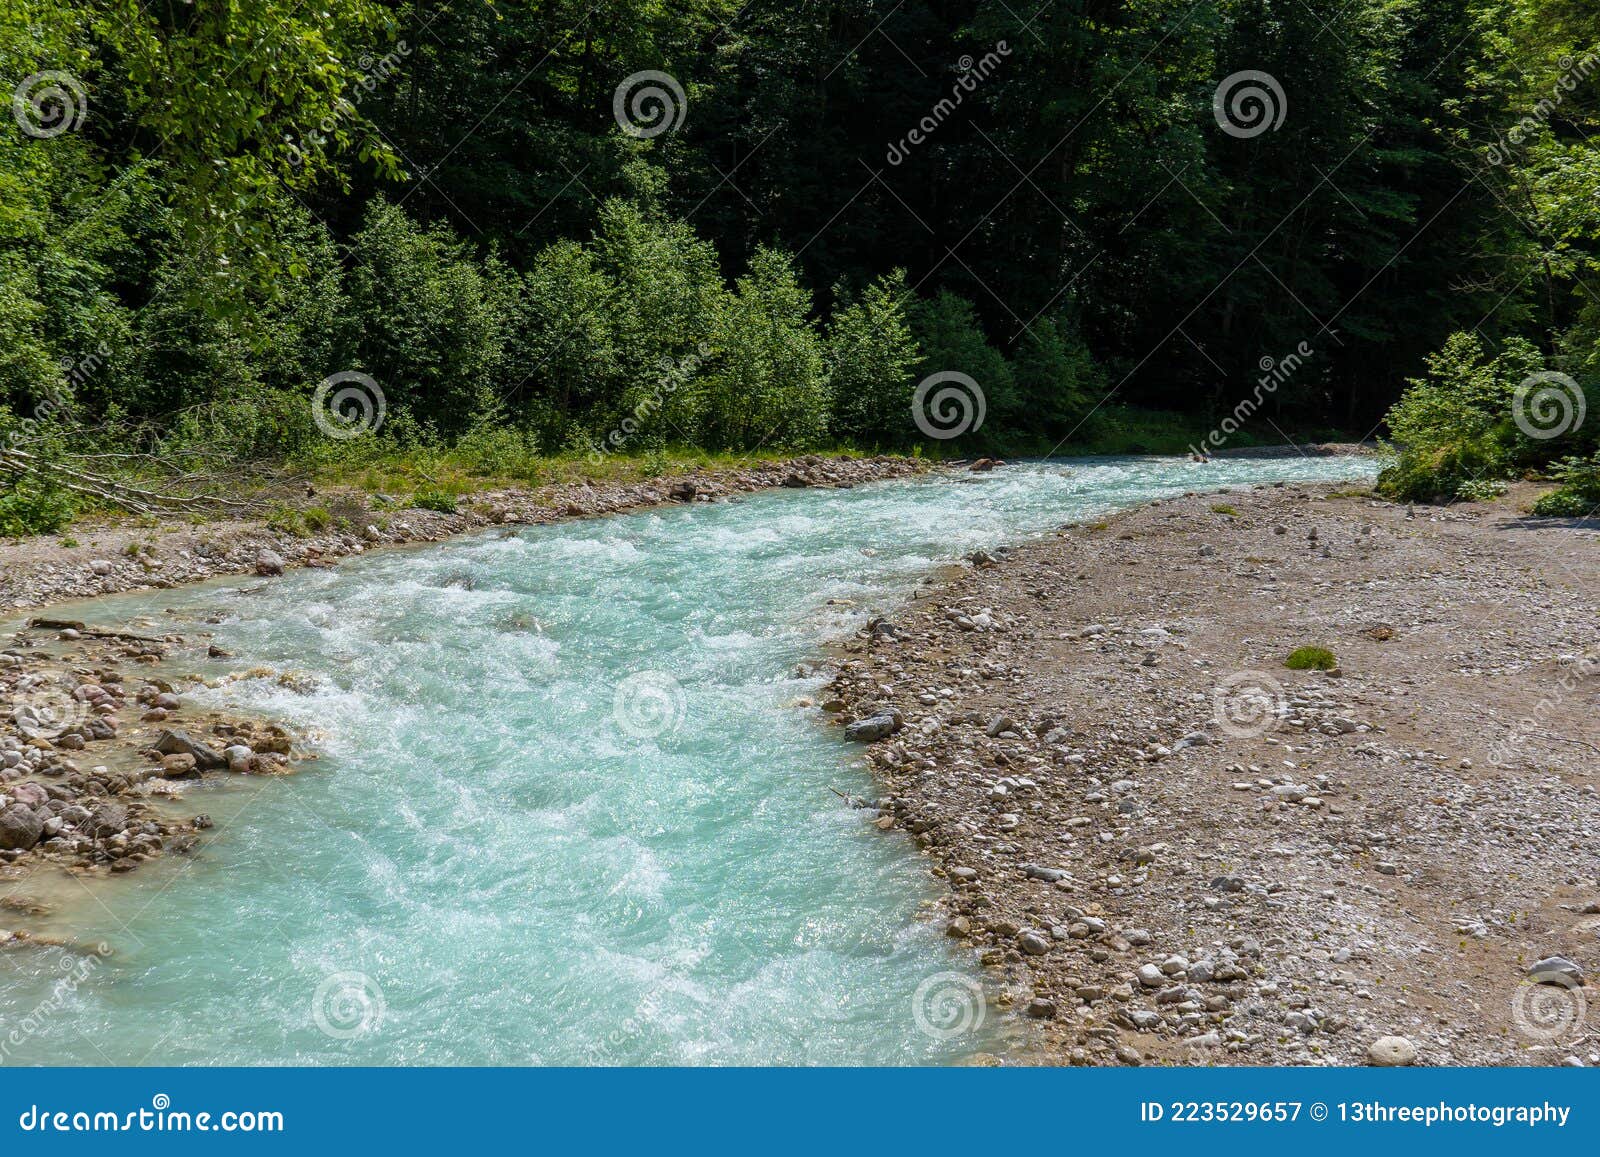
(1556, 970)
(179, 766)
(20, 828)
(107, 819)
(1041, 1008)
(238, 757)
(1391, 1052)
(181, 743)
(269, 563)
(683, 490)
(1033, 943)
(870, 729)
(100, 566)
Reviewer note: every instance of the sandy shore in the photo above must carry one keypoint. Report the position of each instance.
(1168, 847)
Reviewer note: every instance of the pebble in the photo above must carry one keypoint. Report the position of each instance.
(1391, 1052)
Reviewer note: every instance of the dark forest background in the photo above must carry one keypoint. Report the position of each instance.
(208, 208)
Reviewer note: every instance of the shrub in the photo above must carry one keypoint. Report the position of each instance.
(871, 353)
(32, 506)
(1311, 659)
(1057, 381)
(1578, 495)
(1456, 425)
(430, 324)
(1224, 508)
(951, 339)
(434, 500)
(1482, 490)
(767, 384)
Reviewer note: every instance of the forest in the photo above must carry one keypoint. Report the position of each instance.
(521, 230)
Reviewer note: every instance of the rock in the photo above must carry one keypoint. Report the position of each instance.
(180, 743)
(683, 490)
(238, 757)
(269, 563)
(20, 828)
(1556, 970)
(179, 766)
(870, 729)
(100, 566)
(107, 819)
(796, 481)
(1151, 976)
(1033, 943)
(1391, 1052)
(1041, 1008)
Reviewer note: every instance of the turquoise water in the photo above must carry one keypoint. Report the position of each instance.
(568, 812)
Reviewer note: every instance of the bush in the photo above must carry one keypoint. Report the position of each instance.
(429, 323)
(871, 354)
(1057, 381)
(1578, 496)
(951, 339)
(31, 506)
(1456, 426)
(767, 385)
(1311, 659)
(434, 500)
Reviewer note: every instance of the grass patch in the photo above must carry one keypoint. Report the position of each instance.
(1311, 659)
(1224, 508)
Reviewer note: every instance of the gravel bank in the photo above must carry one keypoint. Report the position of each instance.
(1168, 847)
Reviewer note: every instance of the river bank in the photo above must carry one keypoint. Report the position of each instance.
(1168, 847)
(87, 562)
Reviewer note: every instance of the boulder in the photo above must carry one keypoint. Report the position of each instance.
(269, 563)
(181, 743)
(20, 828)
(107, 819)
(870, 729)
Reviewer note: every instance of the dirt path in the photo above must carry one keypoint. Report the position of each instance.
(1170, 848)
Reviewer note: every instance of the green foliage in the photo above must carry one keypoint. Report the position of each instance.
(1311, 659)
(871, 353)
(1578, 495)
(951, 339)
(1481, 490)
(30, 506)
(436, 500)
(426, 320)
(1456, 427)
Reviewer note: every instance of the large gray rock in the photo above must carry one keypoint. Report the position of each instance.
(268, 563)
(182, 743)
(870, 729)
(1389, 1052)
(108, 819)
(20, 827)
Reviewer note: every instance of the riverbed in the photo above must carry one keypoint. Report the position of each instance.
(572, 806)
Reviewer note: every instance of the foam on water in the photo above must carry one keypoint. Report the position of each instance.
(512, 863)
